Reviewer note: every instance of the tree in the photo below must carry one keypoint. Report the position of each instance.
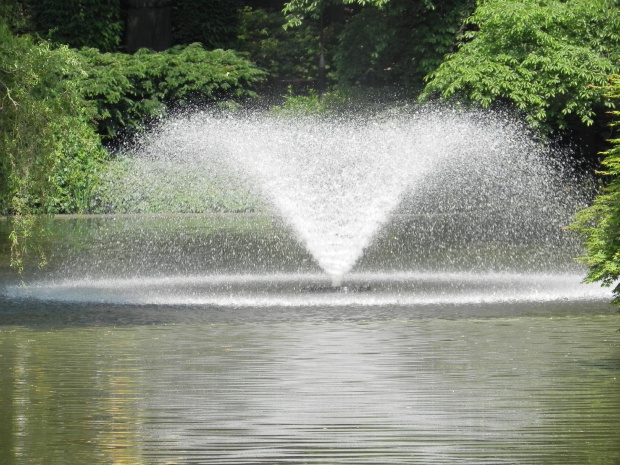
(599, 224)
(50, 154)
(385, 42)
(49, 150)
(289, 55)
(78, 23)
(296, 10)
(400, 43)
(213, 23)
(544, 57)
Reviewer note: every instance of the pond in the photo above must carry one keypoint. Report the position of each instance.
(216, 339)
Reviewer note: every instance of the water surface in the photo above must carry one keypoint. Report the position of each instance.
(539, 390)
(143, 347)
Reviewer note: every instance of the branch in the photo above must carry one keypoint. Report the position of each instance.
(8, 93)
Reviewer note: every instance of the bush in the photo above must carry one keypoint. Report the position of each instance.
(301, 105)
(128, 90)
(138, 185)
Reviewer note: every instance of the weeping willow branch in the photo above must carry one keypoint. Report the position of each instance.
(8, 93)
(25, 229)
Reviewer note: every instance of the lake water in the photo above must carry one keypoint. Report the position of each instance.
(139, 347)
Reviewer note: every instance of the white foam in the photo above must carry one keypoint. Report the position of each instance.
(292, 290)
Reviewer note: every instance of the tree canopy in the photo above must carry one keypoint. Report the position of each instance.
(296, 10)
(547, 58)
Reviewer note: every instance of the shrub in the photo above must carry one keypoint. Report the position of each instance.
(128, 90)
(138, 185)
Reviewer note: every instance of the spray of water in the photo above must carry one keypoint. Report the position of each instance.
(336, 181)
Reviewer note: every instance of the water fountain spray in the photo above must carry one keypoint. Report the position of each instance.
(337, 181)
(427, 207)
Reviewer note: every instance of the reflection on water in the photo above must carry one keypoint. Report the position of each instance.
(474, 391)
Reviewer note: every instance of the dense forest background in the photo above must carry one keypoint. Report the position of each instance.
(77, 77)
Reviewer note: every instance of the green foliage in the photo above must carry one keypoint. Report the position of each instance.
(49, 152)
(211, 22)
(135, 185)
(363, 45)
(301, 105)
(26, 248)
(400, 43)
(297, 10)
(339, 103)
(79, 23)
(128, 90)
(289, 55)
(599, 225)
(387, 42)
(15, 14)
(545, 57)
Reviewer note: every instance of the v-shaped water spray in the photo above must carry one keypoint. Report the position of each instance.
(337, 181)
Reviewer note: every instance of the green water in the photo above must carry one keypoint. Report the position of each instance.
(538, 390)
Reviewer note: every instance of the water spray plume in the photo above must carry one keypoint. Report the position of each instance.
(337, 181)
(427, 207)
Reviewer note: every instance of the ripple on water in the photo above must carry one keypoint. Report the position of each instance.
(505, 390)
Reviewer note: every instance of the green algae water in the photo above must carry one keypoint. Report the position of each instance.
(313, 389)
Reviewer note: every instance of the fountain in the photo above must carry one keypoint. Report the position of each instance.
(419, 207)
